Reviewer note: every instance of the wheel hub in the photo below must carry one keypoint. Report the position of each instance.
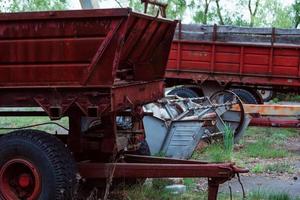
(19, 179)
(25, 180)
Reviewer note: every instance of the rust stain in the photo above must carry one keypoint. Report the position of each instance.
(272, 110)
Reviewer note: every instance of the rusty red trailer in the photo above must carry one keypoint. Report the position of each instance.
(235, 57)
(64, 53)
(94, 67)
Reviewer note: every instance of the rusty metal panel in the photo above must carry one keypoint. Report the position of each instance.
(271, 109)
(154, 170)
(82, 48)
(129, 96)
(99, 60)
(275, 122)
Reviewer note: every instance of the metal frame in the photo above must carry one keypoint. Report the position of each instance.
(154, 167)
(270, 115)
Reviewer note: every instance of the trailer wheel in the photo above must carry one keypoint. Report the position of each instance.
(245, 96)
(35, 165)
(183, 92)
(235, 123)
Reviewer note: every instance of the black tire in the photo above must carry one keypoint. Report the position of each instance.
(183, 92)
(245, 96)
(49, 156)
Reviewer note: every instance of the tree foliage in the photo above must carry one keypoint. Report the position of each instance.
(136, 5)
(176, 9)
(219, 12)
(32, 5)
(272, 13)
(253, 8)
(296, 13)
(202, 12)
(256, 13)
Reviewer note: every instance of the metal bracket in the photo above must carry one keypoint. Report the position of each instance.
(161, 7)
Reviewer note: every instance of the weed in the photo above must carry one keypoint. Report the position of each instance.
(257, 195)
(275, 100)
(279, 168)
(279, 135)
(147, 192)
(268, 195)
(212, 153)
(282, 167)
(256, 133)
(218, 152)
(257, 169)
(279, 196)
(273, 134)
(228, 142)
(264, 149)
(160, 183)
(189, 182)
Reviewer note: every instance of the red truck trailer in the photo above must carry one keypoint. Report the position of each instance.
(205, 59)
(92, 66)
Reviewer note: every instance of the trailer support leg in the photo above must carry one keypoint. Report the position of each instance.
(74, 141)
(213, 188)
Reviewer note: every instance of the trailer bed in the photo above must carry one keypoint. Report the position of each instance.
(96, 59)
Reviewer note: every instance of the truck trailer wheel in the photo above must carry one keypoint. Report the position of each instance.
(35, 165)
(183, 92)
(245, 96)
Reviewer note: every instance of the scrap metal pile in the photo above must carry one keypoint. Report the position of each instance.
(174, 126)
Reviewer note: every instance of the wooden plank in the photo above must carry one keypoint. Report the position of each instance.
(238, 34)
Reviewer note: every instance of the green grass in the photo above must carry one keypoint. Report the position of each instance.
(286, 97)
(218, 152)
(228, 140)
(189, 182)
(271, 133)
(263, 149)
(281, 167)
(258, 169)
(266, 143)
(279, 135)
(147, 192)
(15, 122)
(269, 195)
(212, 153)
